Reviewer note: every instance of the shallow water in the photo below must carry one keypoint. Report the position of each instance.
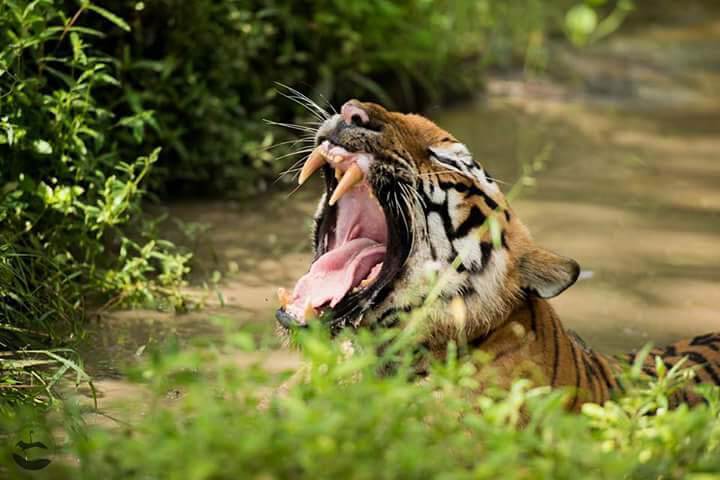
(628, 183)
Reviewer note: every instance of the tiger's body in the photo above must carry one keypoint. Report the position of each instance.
(409, 219)
(534, 342)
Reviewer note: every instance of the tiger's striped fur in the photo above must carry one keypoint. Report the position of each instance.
(467, 246)
(533, 340)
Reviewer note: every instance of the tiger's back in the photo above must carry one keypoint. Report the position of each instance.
(534, 343)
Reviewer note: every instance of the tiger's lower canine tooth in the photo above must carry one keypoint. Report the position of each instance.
(351, 177)
(283, 297)
(309, 311)
(314, 161)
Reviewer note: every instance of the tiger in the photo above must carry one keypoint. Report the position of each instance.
(407, 214)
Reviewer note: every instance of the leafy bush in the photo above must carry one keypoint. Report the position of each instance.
(67, 192)
(345, 421)
(208, 70)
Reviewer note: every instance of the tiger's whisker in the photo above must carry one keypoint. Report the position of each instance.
(296, 165)
(298, 152)
(311, 108)
(440, 172)
(293, 191)
(293, 142)
(497, 180)
(303, 100)
(329, 104)
(292, 126)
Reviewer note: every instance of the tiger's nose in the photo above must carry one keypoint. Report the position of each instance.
(352, 114)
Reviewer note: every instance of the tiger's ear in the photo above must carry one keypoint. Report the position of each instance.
(547, 273)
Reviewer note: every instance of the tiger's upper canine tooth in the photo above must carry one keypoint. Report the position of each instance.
(352, 176)
(314, 161)
(338, 174)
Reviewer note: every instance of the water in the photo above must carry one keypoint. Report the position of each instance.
(636, 202)
(628, 184)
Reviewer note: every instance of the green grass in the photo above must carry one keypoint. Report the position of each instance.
(36, 315)
(34, 377)
(346, 421)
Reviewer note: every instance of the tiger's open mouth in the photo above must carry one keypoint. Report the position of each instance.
(355, 235)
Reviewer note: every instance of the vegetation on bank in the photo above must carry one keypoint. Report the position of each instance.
(202, 421)
(71, 229)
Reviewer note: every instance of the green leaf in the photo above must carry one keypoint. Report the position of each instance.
(77, 46)
(580, 22)
(110, 17)
(42, 147)
(242, 340)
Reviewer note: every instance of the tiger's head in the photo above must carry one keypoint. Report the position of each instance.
(410, 219)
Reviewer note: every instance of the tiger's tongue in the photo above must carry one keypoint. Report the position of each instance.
(338, 271)
(356, 253)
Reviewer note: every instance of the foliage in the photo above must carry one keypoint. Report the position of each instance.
(35, 310)
(346, 421)
(583, 25)
(68, 193)
(208, 70)
(34, 377)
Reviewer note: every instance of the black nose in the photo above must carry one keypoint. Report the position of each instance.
(287, 320)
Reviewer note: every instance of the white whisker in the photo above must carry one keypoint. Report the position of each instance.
(289, 171)
(292, 169)
(296, 165)
(309, 107)
(440, 172)
(497, 180)
(293, 191)
(329, 104)
(298, 152)
(402, 201)
(291, 126)
(303, 100)
(415, 194)
(292, 143)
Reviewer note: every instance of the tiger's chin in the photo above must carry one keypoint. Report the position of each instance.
(358, 245)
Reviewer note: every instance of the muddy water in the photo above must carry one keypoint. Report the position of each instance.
(626, 159)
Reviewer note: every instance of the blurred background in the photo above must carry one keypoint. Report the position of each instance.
(139, 166)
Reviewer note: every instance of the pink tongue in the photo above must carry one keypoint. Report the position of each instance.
(354, 252)
(335, 273)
